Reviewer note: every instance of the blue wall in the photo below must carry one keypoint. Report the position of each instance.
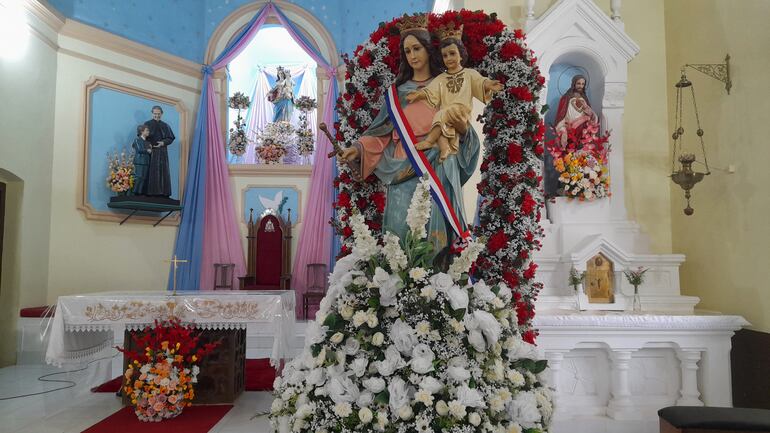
(183, 27)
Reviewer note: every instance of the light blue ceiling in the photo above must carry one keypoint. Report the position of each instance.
(183, 27)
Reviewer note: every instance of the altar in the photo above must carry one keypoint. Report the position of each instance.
(84, 327)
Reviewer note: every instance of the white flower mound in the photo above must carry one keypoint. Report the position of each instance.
(397, 347)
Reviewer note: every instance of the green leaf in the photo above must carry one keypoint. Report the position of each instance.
(540, 366)
(331, 320)
(382, 398)
(544, 108)
(315, 349)
(374, 302)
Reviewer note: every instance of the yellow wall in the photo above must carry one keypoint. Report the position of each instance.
(726, 240)
(645, 136)
(27, 91)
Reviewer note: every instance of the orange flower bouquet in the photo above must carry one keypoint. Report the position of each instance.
(159, 382)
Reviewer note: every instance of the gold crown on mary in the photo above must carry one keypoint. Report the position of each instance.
(450, 31)
(413, 22)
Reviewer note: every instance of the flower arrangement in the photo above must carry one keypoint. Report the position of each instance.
(238, 139)
(575, 278)
(635, 277)
(510, 171)
(397, 347)
(159, 382)
(239, 101)
(305, 138)
(273, 141)
(582, 162)
(121, 171)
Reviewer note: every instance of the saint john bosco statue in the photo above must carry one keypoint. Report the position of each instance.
(158, 175)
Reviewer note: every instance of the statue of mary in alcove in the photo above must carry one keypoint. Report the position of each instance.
(282, 96)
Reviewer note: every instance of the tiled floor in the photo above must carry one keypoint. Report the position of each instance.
(75, 409)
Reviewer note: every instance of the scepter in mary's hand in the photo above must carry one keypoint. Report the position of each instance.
(332, 140)
(338, 150)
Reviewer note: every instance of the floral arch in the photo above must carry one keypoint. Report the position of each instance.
(513, 147)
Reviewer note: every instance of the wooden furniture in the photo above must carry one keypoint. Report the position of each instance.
(222, 372)
(268, 262)
(316, 286)
(702, 419)
(223, 276)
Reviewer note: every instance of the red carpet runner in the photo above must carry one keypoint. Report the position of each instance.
(194, 419)
(259, 377)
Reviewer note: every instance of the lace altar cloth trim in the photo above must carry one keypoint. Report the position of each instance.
(83, 323)
(663, 322)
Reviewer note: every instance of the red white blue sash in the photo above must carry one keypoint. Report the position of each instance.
(420, 162)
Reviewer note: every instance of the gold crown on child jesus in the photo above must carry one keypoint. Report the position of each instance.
(450, 31)
(413, 22)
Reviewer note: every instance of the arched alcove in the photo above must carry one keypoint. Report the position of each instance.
(305, 22)
(579, 33)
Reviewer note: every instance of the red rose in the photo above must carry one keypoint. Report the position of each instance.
(373, 83)
(365, 59)
(343, 200)
(529, 336)
(497, 241)
(347, 232)
(497, 104)
(358, 101)
(511, 50)
(361, 203)
(514, 153)
(521, 93)
(378, 199)
(530, 272)
(511, 218)
(528, 204)
(496, 203)
(512, 280)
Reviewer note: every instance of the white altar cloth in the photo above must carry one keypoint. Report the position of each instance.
(83, 327)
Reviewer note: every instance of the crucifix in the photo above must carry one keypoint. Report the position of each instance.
(176, 262)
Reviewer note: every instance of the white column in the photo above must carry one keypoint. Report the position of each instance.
(615, 8)
(621, 406)
(555, 359)
(529, 18)
(690, 396)
(612, 113)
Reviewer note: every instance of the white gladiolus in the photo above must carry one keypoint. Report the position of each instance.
(462, 263)
(419, 210)
(393, 252)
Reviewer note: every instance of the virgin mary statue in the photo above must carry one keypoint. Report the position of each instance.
(379, 149)
(282, 96)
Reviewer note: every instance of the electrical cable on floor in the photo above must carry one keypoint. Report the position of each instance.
(69, 383)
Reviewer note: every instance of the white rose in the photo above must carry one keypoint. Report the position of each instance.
(337, 338)
(417, 273)
(458, 297)
(358, 366)
(458, 374)
(374, 384)
(378, 339)
(405, 413)
(352, 345)
(441, 281)
(391, 363)
(483, 292)
(457, 409)
(523, 408)
(365, 399)
(399, 394)
(442, 408)
(403, 336)
(488, 325)
(504, 292)
(372, 321)
(346, 311)
(428, 292)
(498, 303)
(316, 377)
(365, 415)
(474, 418)
(422, 359)
(476, 339)
(431, 384)
(276, 406)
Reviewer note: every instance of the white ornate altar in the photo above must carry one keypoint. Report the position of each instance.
(612, 371)
(85, 326)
